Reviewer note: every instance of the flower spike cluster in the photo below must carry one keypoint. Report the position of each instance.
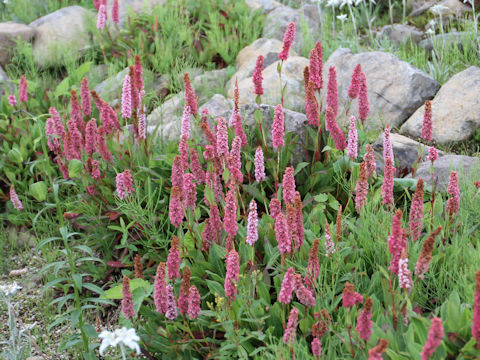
(288, 39)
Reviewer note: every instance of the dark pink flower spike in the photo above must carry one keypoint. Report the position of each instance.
(288, 39)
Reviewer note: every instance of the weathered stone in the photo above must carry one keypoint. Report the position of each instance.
(111, 88)
(455, 109)
(277, 21)
(9, 33)
(209, 82)
(395, 88)
(452, 7)
(217, 105)
(265, 5)
(444, 166)
(292, 76)
(61, 33)
(419, 7)
(135, 6)
(449, 39)
(5, 85)
(400, 33)
(405, 151)
(161, 86)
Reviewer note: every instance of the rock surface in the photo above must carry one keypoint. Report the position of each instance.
(5, 85)
(444, 165)
(395, 88)
(453, 7)
(208, 82)
(277, 21)
(456, 109)
(111, 88)
(217, 105)
(400, 33)
(265, 5)
(9, 33)
(63, 31)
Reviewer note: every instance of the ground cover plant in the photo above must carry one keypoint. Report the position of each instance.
(232, 241)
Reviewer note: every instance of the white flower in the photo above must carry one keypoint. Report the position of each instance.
(10, 289)
(430, 32)
(432, 23)
(438, 9)
(342, 17)
(122, 337)
(333, 3)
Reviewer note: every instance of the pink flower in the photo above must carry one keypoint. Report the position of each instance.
(304, 295)
(231, 277)
(316, 65)
(282, 234)
(453, 203)
(189, 194)
(435, 335)
(76, 136)
(208, 235)
(182, 302)
(127, 98)
(186, 121)
(404, 274)
(124, 184)
(275, 207)
(329, 244)
(127, 300)
(176, 214)
(239, 129)
(363, 105)
(142, 125)
(423, 262)
(291, 217)
(288, 285)
(76, 111)
(316, 347)
(476, 309)
(335, 132)
(259, 165)
(288, 185)
(85, 94)
(311, 104)
(230, 217)
(376, 352)
(427, 126)
(397, 241)
(354, 87)
(364, 321)
(222, 137)
(370, 165)
(160, 290)
(12, 100)
(278, 127)
(52, 138)
(291, 330)
(190, 98)
(91, 137)
(235, 162)
(299, 219)
(194, 301)
(183, 150)
(288, 39)
(432, 154)
(213, 181)
(138, 71)
(352, 147)
(96, 4)
(115, 15)
(23, 91)
(102, 17)
(173, 259)
(257, 76)
(93, 169)
(361, 189)
(416, 212)
(387, 146)
(350, 297)
(17, 204)
(206, 130)
(177, 172)
(387, 185)
(252, 231)
(171, 312)
(332, 93)
(196, 167)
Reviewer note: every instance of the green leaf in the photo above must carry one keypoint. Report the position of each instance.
(75, 168)
(215, 287)
(62, 88)
(115, 293)
(90, 331)
(321, 198)
(39, 190)
(83, 69)
(15, 156)
(77, 280)
(300, 167)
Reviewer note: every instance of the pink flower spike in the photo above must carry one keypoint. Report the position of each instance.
(453, 203)
(476, 309)
(186, 121)
(235, 162)
(196, 167)
(370, 165)
(289, 185)
(435, 335)
(288, 39)
(190, 98)
(194, 302)
(183, 150)
(404, 274)
(177, 172)
(291, 330)
(397, 242)
(363, 104)
(316, 347)
(230, 216)
(173, 259)
(364, 321)
(102, 17)
(96, 4)
(160, 290)
(361, 189)
(231, 277)
(12, 100)
(127, 98)
(222, 137)
(127, 299)
(354, 87)
(288, 285)
(282, 234)
(142, 125)
(350, 297)
(416, 212)
(124, 184)
(91, 137)
(432, 154)
(172, 312)
(252, 231)
(376, 352)
(316, 65)
(304, 295)
(176, 214)
(239, 129)
(189, 194)
(352, 147)
(85, 94)
(23, 91)
(332, 92)
(387, 146)
(115, 12)
(335, 132)
(76, 111)
(278, 127)
(17, 204)
(275, 208)
(257, 76)
(387, 185)
(259, 165)
(427, 126)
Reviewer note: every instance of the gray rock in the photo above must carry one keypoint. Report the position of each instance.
(456, 109)
(208, 83)
(452, 7)
(419, 7)
(400, 33)
(9, 33)
(165, 120)
(111, 88)
(5, 85)
(61, 32)
(161, 86)
(444, 166)
(135, 6)
(266, 5)
(217, 105)
(395, 88)
(450, 39)
(277, 21)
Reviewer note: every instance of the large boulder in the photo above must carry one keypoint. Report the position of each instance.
(61, 33)
(395, 88)
(217, 105)
(456, 109)
(9, 33)
(277, 21)
(5, 85)
(450, 7)
(292, 77)
(444, 166)
(132, 6)
(265, 5)
(111, 88)
(209, 82)
(400, 33)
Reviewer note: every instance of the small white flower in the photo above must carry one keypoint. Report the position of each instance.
(438, 9)
(108, 339)
(432, 23)
(10, 289)
(333, 3)
(342, 17)
(122, 337)
(430, 32)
